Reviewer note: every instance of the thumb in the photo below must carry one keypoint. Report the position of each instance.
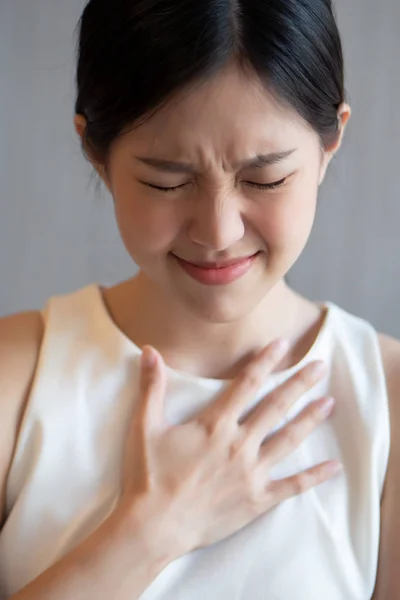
(153, 387)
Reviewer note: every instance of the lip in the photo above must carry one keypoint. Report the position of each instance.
(218, 273)
(219, 265)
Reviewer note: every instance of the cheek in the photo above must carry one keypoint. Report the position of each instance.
(286, 222)
(145, 224)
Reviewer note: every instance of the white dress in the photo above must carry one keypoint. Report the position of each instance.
(66, 473)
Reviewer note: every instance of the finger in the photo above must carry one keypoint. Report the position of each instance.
(246, 385)
(152, 387)
(281, 490)
(289, 438)
(274, 407)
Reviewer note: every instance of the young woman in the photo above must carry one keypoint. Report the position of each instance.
(200, 430)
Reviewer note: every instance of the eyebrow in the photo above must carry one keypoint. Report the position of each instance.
(258, 162)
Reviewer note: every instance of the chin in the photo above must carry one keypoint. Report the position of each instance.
(222, 307)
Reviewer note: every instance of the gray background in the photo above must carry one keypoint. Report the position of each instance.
(57, 233)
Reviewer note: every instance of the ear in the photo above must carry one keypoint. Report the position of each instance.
(344, 114)
(80, 125)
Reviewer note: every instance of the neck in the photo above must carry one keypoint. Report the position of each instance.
(205, 349)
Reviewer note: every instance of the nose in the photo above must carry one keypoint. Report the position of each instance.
(217, 223)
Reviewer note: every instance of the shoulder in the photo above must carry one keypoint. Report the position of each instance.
(20, 341)
(388, 578)
(390, 350)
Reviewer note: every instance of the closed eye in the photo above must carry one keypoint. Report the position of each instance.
(267, 186)
(260, 186)
(165, 189)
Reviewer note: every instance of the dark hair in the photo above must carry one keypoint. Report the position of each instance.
(133, 55)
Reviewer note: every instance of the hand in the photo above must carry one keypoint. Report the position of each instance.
(210, 476)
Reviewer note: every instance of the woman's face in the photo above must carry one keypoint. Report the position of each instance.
(218, 207)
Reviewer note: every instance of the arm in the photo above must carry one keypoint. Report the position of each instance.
(119, 561)
(20, 340)
(388, 581)
(121, 558)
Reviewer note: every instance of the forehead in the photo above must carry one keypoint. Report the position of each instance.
(232, 110)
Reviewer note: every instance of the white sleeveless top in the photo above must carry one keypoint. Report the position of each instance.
(66, 473)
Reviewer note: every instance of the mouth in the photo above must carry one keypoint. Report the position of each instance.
(220, 264)
(218, 273)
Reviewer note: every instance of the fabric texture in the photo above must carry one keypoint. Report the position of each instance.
(65, 477)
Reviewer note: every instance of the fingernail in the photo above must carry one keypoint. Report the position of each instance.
(149, 358)
(279, 348)
(335, 468)
(318, 368)
(327, 406)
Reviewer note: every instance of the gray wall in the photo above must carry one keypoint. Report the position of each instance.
(57, 233)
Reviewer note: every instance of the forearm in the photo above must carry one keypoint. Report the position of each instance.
(119, 561)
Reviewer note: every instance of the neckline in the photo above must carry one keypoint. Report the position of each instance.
(96, 292)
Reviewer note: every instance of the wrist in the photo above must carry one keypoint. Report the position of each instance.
(148, 522)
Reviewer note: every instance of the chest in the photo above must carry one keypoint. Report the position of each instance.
(66, 480)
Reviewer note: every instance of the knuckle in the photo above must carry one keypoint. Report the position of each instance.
(241, 452)
(212, 428)
(281, 403)
(149, 380)
(312, 417)
(236, 449)
(300, 483)
(215, 426)
(291, 435)
(257, 505)
(257, 495)
(288, 391)
(250, 378)
(277, 402)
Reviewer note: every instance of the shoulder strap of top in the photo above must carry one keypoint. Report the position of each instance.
(357, 355)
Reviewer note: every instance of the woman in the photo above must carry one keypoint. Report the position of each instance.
(246, 468)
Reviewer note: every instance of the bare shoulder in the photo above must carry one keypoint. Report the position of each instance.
(390, 348)
(388, 581)
(20, 341)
